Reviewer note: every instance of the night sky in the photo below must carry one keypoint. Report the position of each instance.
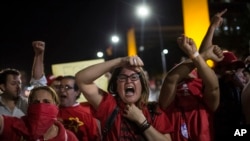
(72, 30)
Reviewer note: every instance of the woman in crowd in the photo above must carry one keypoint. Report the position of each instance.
(124, 107)
(40, 123)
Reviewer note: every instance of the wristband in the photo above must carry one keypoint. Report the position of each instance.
(144, 126)
(194, 55)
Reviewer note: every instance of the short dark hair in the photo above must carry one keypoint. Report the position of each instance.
(8, 71)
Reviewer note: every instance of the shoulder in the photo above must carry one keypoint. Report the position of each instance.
(23, 99)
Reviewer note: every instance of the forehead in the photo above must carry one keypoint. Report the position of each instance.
(67, 81)
(128, 70)
(42, 94)
(14, 77)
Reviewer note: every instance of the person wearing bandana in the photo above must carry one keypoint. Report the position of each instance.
(40, 123)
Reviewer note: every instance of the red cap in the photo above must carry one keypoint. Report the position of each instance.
(52, 78)
(230, 61)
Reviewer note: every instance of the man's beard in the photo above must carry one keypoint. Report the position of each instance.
(12, 96)
(15, 97)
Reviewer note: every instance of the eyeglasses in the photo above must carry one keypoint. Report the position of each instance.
(132, 77)
(66, 88)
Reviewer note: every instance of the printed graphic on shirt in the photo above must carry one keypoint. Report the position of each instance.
(73, 124)
(184, 130)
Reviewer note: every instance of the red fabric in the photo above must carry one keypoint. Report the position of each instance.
(230, 60)
(79, 122)
(14, 129)
(87, 107)
(197, 116)
(106, 107)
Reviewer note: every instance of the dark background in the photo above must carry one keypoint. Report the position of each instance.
(72, 30)
(76, 30)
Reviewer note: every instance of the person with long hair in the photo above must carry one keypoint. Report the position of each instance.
(124, 108)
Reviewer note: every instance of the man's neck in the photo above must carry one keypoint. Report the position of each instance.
(8, 102)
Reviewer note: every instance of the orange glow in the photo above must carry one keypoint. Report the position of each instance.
(196, 21)
(131, 42)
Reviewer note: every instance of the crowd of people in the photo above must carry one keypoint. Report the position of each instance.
(195, 102)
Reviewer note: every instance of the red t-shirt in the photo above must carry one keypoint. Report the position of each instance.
(124, 129)
(14, 129)
(79, 122)
(189, 114)
(87, 107)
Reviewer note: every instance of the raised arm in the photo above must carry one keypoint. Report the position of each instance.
(211, 85)
(182, 70)
(38, 66)
(216, 21)
(173, 77)
(85, 78)
(38, 77)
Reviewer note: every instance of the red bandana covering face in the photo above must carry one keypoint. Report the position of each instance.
(40, 117)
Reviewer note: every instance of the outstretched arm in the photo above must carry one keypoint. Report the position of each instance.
(38, 78)
(181, 71)
(38, 66)
(173, 77)
(85, 78)
(216, 21)
(211, 93)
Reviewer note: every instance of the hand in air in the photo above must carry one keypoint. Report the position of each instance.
(214, 53)
(187, 45)
(39, 46)
(133, 61)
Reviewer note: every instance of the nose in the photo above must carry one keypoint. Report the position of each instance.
(128, 79)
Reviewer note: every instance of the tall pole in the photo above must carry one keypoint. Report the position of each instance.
(163, 59)
(143, 11)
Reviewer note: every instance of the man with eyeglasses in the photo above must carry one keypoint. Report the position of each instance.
(73, 115)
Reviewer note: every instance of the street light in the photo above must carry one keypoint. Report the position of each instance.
(99, 54)
(115, 39)
(143, 11)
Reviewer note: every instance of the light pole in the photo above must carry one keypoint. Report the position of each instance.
(143, 11)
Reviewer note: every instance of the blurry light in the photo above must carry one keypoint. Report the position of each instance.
(99, 54)
(237, 27)
(210, 63)
(165, 51)
(141, 48)
(115, 39)
(225, 28)
(143, 11)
